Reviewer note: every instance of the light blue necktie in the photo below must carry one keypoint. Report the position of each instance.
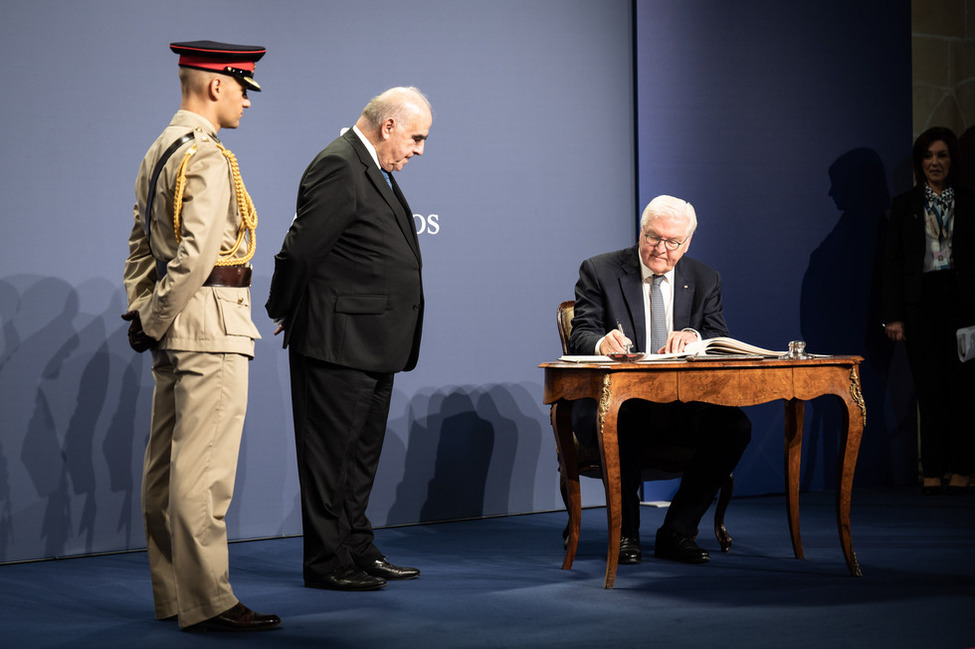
(658, 317)
(389, 180)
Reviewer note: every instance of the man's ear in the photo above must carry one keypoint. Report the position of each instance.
(387, 128)
(214, 88)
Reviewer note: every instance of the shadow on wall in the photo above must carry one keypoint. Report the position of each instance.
(76, 401)
(470, 452)
(69, 389)
(839, 314)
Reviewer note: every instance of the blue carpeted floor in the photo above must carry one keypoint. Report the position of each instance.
(498, 583)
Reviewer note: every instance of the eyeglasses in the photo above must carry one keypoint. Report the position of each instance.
(669, 244)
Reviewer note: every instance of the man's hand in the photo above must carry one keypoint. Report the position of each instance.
(677, 341)
(138, 339)
(615, 343)
(895, 331)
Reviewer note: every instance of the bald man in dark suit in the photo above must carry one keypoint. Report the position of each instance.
(347, 291)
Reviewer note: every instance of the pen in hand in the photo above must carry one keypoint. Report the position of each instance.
(626, 346)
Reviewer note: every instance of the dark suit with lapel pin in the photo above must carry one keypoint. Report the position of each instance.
(347, 285)
(610, 291)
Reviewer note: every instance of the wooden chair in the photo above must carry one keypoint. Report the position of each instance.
(657, 464)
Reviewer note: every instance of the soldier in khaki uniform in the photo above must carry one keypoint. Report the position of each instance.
(187, 281)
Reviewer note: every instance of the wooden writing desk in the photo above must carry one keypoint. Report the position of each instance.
(723, 382)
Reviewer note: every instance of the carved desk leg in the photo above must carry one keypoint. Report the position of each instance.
(856, 416)
(794, 409)
(610, 452)
(561, 416)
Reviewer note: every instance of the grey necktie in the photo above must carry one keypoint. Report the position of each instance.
(658, 317)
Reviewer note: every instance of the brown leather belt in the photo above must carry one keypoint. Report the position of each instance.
(230, 276)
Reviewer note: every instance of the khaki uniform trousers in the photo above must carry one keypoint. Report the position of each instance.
(198, 409)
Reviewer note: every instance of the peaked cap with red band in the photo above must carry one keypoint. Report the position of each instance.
(224, 58)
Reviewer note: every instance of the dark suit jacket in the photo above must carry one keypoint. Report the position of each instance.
(904, 254)
(610, 290)
(347, 279)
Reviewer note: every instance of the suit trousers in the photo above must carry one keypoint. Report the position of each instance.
(944, 385)
(718, 436)
(198, 409)
(340, 423)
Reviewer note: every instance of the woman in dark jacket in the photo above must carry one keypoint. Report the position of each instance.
(928, 294)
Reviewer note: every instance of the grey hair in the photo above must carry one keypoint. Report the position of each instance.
(668, 207)
(394, 103)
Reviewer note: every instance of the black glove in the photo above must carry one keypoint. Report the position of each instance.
(138, 339)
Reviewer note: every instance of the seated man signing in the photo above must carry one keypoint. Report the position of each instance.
(654, 299)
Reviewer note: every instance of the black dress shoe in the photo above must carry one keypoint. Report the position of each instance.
(385, 570)
(346, 578)
(238, 618)
(677, 547)
(630, 551)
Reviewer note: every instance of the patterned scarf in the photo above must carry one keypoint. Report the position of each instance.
(941, 206)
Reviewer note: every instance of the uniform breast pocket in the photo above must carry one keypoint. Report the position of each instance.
(361, 304)
(234, 306)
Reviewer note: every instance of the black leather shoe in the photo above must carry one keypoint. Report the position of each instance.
(385, 570)
(677, 547)
(238, 618)
(630, 551)
(347, 578)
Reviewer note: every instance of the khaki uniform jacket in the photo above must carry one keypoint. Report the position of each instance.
(177, 310)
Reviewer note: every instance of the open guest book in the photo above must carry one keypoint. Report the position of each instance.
(722, 347)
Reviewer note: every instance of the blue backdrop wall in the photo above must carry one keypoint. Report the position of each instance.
(788, 126)
(532, 165)
(529, 168)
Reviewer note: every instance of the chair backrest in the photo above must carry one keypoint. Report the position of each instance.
(566, 310)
